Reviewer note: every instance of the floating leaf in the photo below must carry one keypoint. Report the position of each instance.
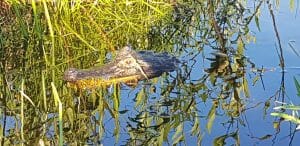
(140, 97)
(123, 111)
(160, 138)
(220, 141)
(167, 129)
(178, 139)
(204, 96)
(240, 47)
(266, 107)
(211, 117)
(196, 127)
(277, 3)
(236, 95)
(245, 87)
(267, 136)
(287, 117)
(276, 125)
(256, 78)
(289, 107)
(178, 136)
(297, 86)
(257, 22)
(292, 5)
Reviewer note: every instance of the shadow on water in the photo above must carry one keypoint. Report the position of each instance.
(207, 100)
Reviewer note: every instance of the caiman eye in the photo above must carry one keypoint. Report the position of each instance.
(128, 61)
(127, 48)
(72, 70)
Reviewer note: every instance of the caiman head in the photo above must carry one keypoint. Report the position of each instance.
(127, 63)
(71, 75)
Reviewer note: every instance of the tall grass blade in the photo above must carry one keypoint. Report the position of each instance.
(79, 37)
(59, 104)
(44, 91)
(49, 23)
(22, 112)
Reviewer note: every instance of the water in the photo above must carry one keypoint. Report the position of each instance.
(167, 109)
(255, 125)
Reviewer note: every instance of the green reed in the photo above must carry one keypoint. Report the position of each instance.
(22, 113)
(41, 39)
(58, 104)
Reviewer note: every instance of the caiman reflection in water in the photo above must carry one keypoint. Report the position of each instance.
(128, 67)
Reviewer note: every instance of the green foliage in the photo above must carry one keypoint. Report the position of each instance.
(294, 117)
(287, 117)
(60, 113)
(288, 112)
(140, 98)
(50, 37)
(178, 136)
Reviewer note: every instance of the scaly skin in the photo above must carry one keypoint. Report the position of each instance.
(128, 66)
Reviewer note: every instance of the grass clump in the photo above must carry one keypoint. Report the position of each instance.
(39, 40)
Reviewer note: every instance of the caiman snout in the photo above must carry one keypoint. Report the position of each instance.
(71, 75)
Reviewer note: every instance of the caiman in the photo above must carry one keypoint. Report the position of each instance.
(128, 67)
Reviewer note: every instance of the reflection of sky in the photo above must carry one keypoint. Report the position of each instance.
(262, 53)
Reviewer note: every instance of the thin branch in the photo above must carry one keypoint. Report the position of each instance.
(277, 35)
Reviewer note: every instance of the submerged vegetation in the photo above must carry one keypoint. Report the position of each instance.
(39, 40)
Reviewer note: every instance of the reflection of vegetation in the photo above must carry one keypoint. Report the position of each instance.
(223, 27)
(40, 40)
(293, 109)
(297, 84)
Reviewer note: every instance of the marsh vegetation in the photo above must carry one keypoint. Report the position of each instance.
(207, 100)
